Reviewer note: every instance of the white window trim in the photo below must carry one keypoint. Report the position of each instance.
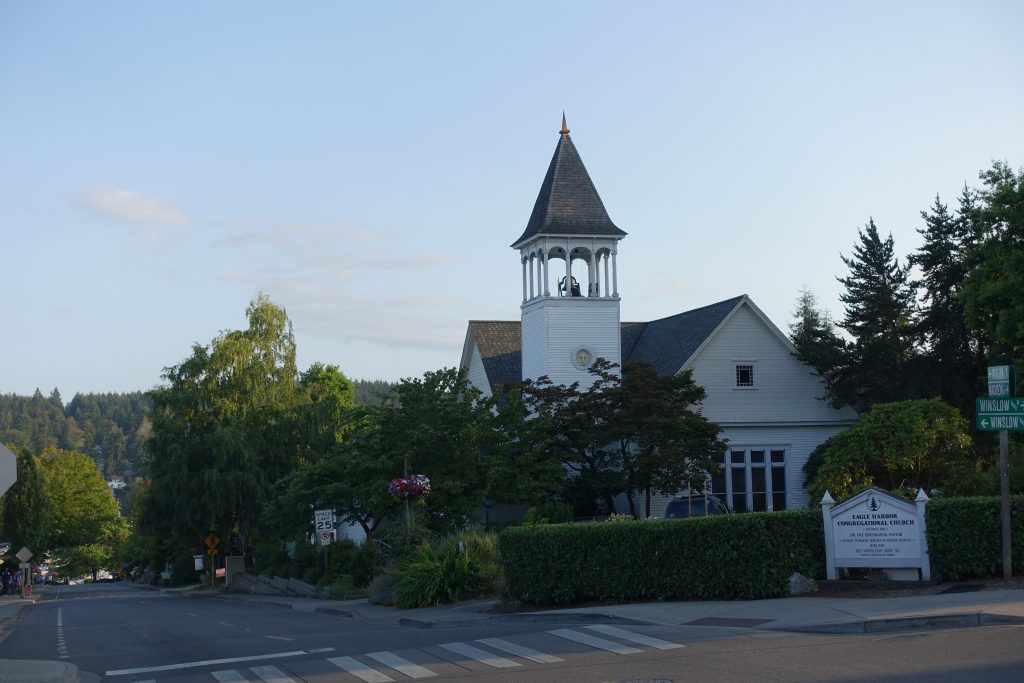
(748, 475)
(753, 375)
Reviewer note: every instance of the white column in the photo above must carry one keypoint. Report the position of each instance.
(615, 275)
(568, 270)
(524, 281)
(826, 518)
(607, 289)
(592, 277)
(531, 276)
(547, 287)
(926, 562)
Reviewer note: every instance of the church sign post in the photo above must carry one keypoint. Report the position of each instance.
(876, 530)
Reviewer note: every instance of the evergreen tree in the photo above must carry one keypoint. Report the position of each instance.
(954, 362)
(879, 303)
(814, 336)
(995, 268)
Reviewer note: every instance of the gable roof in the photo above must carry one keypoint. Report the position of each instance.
(500, 344)
(568, 203)
(667, 344)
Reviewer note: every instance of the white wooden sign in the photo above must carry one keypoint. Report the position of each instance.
(877, 530)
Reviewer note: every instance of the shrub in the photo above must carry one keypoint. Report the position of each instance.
(183, 570)
(965, 536)
(551, 512)
(721, 557)
(381, 590)
(463, 566)
(364, 564)
(341, 587)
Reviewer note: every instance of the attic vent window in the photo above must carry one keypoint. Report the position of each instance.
(745, 376)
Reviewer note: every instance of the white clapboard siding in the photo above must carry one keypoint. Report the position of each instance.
(785, 390)
(554, 329)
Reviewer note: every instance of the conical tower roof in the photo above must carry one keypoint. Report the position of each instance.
(568, 203)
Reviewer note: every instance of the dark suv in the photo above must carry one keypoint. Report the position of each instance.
(695, 506)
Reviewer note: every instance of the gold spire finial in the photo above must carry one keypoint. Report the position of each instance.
(565, 129)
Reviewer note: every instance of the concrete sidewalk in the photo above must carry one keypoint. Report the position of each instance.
(795, 614)
(29, 670)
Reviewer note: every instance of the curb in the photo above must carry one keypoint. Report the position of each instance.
(38, 671)
(930, 622)
(526, 618)
(336, 612)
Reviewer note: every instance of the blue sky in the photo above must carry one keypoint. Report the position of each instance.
(367, 165)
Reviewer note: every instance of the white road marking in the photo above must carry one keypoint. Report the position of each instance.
(62, 646)
(271, 674)
(207, 662)
(320, 649)
(279, 638)
(634, 637)
(467, 650)
(401, 665)
(359, 670)
(229, 676)
(594, 641)
(520, 651)
(224, 623)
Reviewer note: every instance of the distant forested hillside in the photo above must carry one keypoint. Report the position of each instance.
(109, 427)
(372, 392)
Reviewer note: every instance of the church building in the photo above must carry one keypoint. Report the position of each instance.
(767, 402)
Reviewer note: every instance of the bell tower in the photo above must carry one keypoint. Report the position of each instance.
(570, 309)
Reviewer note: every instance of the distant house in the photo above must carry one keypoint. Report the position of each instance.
(766, 401)
(116, 483)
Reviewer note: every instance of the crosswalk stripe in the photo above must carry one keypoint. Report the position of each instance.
(229, 676)
(271, 674)
(520, 651)
(359, 670)
(401, 665)
(467, 650)
(594, 641)
(634, 637)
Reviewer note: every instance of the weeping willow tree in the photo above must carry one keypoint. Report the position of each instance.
(223, 431)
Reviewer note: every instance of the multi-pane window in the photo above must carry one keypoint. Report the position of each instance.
(745, 376)
(751, 479)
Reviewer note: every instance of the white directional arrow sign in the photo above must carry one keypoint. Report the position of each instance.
(8, 469)
(996, 414)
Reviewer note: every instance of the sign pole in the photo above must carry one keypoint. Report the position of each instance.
(1004, 494)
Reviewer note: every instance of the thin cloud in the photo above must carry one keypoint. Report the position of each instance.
(121, 205)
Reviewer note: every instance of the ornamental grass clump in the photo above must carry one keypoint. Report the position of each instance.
(461, 567)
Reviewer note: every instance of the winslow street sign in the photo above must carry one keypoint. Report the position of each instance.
(995, 414)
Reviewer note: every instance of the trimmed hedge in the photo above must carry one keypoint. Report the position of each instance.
(965, 536)
(724, 557)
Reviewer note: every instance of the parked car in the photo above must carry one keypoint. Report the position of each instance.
(696, 505)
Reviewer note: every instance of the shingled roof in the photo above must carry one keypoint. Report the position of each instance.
(665, 344)
(500, 344)
(568, 203)
(668, 343)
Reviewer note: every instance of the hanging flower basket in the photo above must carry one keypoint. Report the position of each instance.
(410, 487)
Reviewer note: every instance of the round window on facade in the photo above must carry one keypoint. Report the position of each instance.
(582, 358)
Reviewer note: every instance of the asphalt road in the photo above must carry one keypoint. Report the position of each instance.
(127, 634)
